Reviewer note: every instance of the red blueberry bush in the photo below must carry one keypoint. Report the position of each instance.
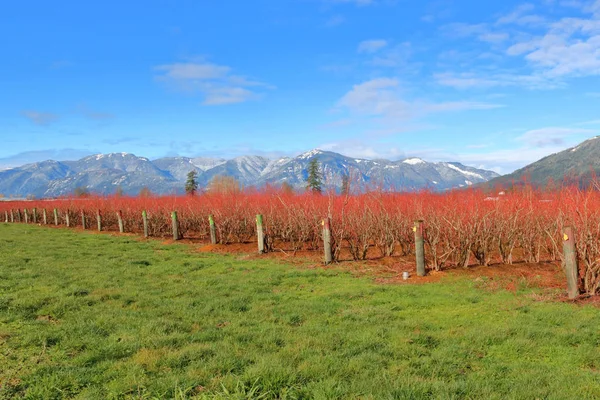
(461, 227)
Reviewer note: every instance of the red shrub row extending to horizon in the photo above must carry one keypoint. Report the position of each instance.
(460, 226)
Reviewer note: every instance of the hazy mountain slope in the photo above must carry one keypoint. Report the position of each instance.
(574, 165)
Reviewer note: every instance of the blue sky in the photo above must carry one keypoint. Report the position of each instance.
(491, 84)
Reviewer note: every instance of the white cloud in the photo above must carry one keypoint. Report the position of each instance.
(26, 157)
(227, 95)
(550, 51)
(467, 80)
(493, 37)
(357, 2)
(483, 32)
(393, 57)
(382, 97)
(371, 46)
(501, 161)
(39, 118)
(568, 47)
(521, 16)
(551, 136)
(193, 71)
(214, 82)
(335, 20)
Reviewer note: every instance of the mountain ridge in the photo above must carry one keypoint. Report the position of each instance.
(104, 173)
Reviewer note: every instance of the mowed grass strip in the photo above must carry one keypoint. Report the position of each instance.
(98, 316)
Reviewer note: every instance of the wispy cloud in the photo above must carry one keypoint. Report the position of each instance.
(521, 15)
(60, 64)
(371, 46)
(467, 80)
(119, 140)
(382, 97)
(39, 118)
(549, 51)
(335, 20)
(506, 160)
(215, 82)
(27, 157)
(482, 31)
(551, 136)
(393, 56)
(93, 115)
(356, 2)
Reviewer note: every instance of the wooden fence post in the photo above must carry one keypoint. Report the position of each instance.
(120, 221)
(260, 234)
(55, 217)
(570, 264)
(34, 212)
(26, 215)
(44, 216)
(12, 215)
(99, 220)
(5, 216)
(175, 224)
(327, 240)
(145, 221)
(83, 219)
(419, 247)
(213, 230)
(67, 220)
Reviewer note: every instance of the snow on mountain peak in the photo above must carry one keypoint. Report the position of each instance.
(310, 154)
(413, 161)
(462, 171)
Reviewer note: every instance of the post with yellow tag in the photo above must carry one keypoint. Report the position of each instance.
(570, 262)
(419, 247)
(327, 240)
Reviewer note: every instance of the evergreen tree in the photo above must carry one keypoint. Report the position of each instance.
(191, 185)
(314, 179)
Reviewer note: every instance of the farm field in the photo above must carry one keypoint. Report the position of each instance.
(86, 315)
(459, 228)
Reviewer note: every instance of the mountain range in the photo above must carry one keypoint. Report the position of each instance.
(105, 173)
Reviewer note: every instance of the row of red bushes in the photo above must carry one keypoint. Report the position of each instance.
(525, 225)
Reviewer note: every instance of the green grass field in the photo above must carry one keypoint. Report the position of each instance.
(98, 316)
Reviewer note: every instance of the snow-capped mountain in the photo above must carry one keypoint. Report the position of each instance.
(104, 173)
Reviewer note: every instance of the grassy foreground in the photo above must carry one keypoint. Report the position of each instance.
(98, 316)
